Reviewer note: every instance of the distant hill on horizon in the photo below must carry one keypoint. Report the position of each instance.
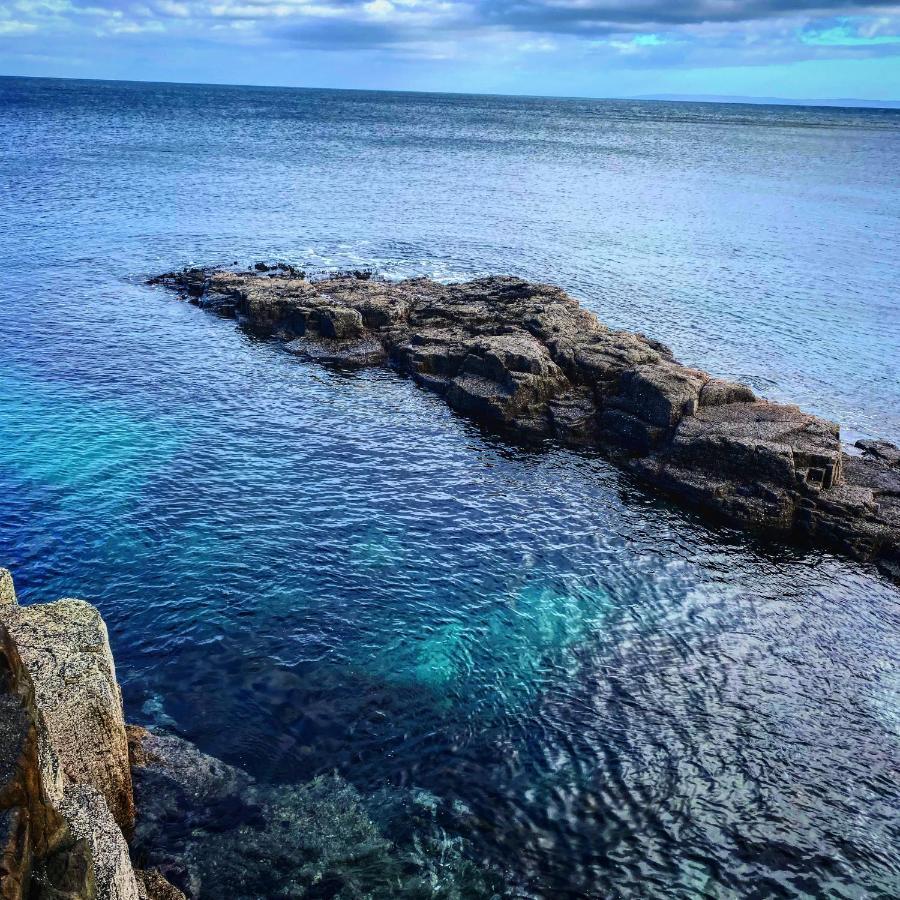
(847, 102)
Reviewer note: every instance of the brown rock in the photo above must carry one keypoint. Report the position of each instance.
(719, 393)
(660, 394)
(153, 885)
(7, 589)
(573, 416)
(340, 322)
(883, 451)
(761, 442)
(15, 852)
(109, 866)
(62, 766)
(64, 647)
(61, 757)
(18, 763)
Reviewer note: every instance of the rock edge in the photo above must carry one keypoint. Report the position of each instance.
(66, 800)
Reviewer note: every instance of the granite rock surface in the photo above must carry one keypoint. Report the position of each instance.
(66, 800)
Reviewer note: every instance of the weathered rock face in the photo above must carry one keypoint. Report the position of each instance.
(18, 758)
(64, 648)
(65, 779)
(527, 360)
(153, 885)
(7, 589)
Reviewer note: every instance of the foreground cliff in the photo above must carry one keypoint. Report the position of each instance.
(94, 809)
(526, 360)
(66, 801)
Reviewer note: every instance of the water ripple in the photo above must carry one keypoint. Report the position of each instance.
(305, 571)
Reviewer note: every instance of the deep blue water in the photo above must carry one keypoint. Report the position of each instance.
(305, 571)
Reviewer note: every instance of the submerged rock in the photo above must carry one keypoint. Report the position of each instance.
(526, 360)
(216, 832)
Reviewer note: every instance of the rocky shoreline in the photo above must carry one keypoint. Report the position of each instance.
(66, 799)
(94, 809)
(527, 361)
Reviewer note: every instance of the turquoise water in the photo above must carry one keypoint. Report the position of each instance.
(308, 572)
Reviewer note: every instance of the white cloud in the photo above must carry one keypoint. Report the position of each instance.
(628, 32)
(12, 27)
(379, 9)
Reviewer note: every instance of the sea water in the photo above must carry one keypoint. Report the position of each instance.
(514, 671)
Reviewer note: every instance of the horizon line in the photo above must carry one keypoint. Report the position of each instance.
(720, 99)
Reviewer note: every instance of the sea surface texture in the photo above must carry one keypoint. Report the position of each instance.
(531, 678)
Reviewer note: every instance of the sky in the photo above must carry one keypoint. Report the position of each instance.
(815, 49)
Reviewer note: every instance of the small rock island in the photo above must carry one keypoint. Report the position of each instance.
(527, 361)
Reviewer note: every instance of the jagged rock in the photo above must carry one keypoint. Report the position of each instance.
(74, 848)
(153, 885)
(527, 360)
(338, 353)
(106, 863)
(17, 757)
(340, 323)
(882, 451)
(659, 394)
(7, 589)
(65, 649)
(861, 513)
(630, 431)
(61, 757)
(31, 784)
(717, 392)
(573, 417)
(759, 443)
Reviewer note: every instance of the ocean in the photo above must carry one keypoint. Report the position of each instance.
(307, 572)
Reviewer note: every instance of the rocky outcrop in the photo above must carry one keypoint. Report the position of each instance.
(66, 801)
(7, 589)
(64, 648)
(526, 360)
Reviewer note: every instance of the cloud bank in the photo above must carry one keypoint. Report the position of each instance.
(603, 34)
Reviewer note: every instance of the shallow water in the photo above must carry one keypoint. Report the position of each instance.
(307, 572)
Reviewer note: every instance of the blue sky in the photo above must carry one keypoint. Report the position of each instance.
(778, 48)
